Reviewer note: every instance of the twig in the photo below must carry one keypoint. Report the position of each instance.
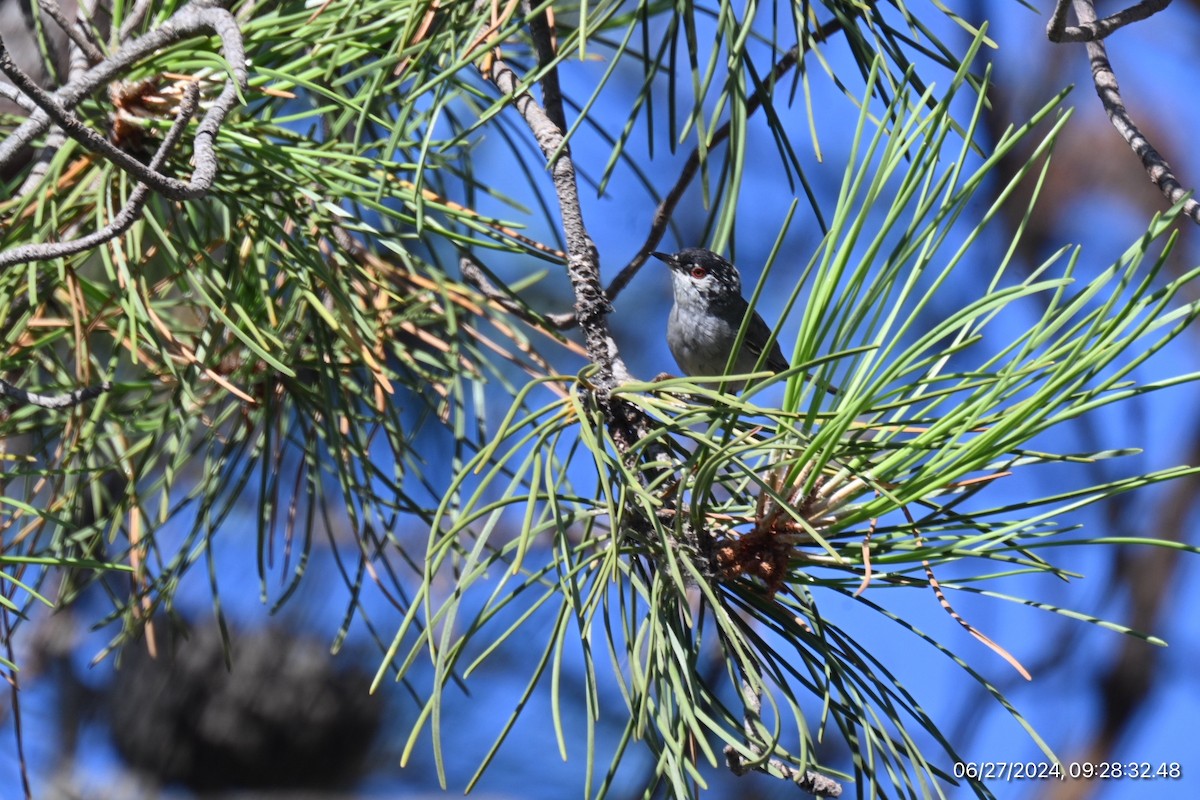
(134, 18)
(1058, 31)
(808, 781)
(543, 42)
(197, 16)
(77, 63)
(124, 218)
(498, 19)
(1105, 81)
(73, 30)
(666, 208)
(473, 273)
(504, 230)
(9, 92)
(65, 400)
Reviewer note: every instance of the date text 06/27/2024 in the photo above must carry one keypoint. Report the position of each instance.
(1068, 770)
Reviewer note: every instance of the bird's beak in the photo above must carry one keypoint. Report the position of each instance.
(665, 257)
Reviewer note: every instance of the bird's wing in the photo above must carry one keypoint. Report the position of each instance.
(760, 332)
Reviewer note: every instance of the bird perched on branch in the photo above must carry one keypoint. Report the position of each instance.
(708, 312)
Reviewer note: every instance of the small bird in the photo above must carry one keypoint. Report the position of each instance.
(708, 312)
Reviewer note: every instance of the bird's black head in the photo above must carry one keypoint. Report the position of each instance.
(701, 277)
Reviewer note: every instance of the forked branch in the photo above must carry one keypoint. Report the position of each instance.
(1092, 32)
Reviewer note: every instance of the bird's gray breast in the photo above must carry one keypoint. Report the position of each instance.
(703, 349)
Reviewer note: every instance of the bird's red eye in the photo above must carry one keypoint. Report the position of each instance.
(699, 273)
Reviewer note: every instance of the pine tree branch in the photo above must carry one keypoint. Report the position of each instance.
(194, 18)
(1092, 32)
(74, 30)
(1058, 31)
(583, 260)
(124, 218)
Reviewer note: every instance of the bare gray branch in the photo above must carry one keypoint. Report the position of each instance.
(1105, 81)
(194, 18)
(1058, 31)
(129, 214)
(73, 30)
(583, 262)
